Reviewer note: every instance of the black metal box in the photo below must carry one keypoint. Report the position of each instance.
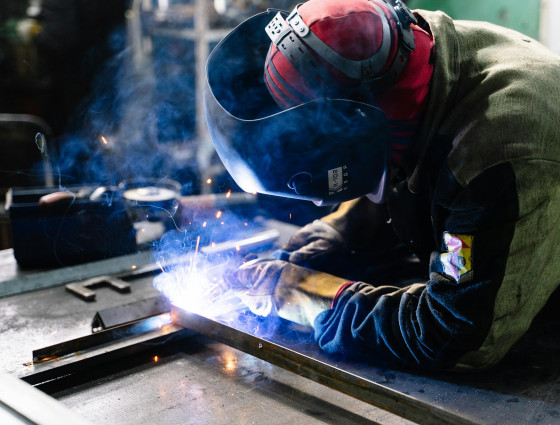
(74, 231)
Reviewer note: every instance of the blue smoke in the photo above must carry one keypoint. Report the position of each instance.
(124, 127)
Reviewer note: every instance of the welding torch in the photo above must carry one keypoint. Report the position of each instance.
(198, 280)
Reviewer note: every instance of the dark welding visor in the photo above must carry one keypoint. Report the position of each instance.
(326, 151)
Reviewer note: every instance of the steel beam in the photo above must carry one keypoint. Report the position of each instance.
(353, 385)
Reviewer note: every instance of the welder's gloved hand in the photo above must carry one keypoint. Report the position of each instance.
(256, 281)
(290, 291)
(319, 246)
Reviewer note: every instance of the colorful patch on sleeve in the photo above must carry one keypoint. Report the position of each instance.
(457, 261)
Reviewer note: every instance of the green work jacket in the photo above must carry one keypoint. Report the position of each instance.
(478, 199)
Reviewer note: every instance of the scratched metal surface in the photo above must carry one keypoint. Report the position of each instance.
(42, 318)
(209, 383)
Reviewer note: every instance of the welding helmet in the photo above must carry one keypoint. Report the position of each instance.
(327, 147)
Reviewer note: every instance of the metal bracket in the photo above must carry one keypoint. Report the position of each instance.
(277, 29)
(82, 289)
(296, 22)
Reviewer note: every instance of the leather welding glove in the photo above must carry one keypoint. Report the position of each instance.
(317, 245)
(349, 242)
(290, 291)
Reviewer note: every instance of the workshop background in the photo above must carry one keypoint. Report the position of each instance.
(101, 106)
(114, 86)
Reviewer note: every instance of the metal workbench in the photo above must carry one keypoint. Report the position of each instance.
(185, 377)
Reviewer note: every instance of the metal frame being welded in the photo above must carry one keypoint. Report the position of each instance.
(353, 385)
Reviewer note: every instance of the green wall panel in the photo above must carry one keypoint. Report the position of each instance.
(520, 15)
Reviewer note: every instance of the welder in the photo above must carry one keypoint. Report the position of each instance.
(430, 136)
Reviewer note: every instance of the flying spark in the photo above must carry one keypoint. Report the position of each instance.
(230, 362)
(161, 267)
(195, 252)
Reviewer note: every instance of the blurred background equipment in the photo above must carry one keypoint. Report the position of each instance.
(24, 160)
(521, 15)
(115, 89)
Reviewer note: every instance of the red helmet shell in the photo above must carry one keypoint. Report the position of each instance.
(353, 29)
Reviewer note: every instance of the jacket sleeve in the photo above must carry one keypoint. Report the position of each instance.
(432, 324)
